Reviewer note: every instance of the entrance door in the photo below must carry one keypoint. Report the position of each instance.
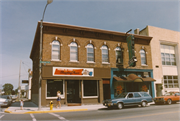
(73, 91)
(106, 89)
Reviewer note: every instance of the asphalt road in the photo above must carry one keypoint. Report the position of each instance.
(152, 113)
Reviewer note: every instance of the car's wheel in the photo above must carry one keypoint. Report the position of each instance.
(144, 104)
(169, 101)
(119, 105)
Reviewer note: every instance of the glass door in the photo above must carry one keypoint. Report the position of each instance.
(73, 91)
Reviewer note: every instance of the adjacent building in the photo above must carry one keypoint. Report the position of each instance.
(88, 65)
(165, 49)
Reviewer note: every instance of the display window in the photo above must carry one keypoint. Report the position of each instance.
(53, 86)
(90, 89)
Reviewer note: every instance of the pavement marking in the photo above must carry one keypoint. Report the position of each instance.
(32, 116)
(53, 111)
(143, 115)
(57, 116)
(1, 116)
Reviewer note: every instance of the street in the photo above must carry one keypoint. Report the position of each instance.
(150, 113)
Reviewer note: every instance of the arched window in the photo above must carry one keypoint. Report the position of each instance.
(90, 53)
(55, 50)
(143, 57)
(105, 54)
(73, 51)
(118, 55)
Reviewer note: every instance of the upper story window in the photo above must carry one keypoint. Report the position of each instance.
(105, 54)
(55, 50)
(90, 53)
(143, 57)
(168, 55)
(73, 51)
(119, 58)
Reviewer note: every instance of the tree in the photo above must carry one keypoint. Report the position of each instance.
(16, 91)
(8, 88)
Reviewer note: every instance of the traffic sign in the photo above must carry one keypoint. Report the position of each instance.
(132, 61)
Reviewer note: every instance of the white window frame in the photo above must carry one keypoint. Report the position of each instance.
(73, 44)
(91, 47)
(173, 86)
(55, 42)
(170, 50)
(105, 47)
(117, 49)
(62, 96)
(144, 57)
(89, 96)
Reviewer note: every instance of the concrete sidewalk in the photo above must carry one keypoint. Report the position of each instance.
(30, 107)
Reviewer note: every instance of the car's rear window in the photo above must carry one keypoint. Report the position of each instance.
(144, 94)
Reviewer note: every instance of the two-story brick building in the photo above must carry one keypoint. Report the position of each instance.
(84, 64)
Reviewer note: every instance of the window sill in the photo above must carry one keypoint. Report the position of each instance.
(144, 65)
(91, 62)
(90, 97)
(74, 61)
(62, 97)
(55, 60)
(105, 63)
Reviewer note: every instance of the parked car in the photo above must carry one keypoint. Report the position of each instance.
(14, 97)
(168, 98)
(129, 99)
(5, 100)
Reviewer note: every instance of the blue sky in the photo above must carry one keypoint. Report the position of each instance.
(18, 22)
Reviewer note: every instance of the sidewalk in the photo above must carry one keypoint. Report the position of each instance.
(30, 107)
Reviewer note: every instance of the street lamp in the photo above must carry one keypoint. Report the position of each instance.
(40, 54)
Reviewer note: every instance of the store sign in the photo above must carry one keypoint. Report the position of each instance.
(66, 71)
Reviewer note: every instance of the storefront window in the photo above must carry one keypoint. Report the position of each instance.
(53, 86)
(90, 88)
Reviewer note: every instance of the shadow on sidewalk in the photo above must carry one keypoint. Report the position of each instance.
(26, 104)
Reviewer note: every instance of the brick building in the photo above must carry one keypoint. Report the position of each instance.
(84, 64)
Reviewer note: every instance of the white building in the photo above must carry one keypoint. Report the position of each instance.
(27, 88)
(165, 49)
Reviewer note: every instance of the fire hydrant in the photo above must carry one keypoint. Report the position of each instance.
(51, 105)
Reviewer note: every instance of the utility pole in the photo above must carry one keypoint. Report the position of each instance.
(19, 89)
(40, 54)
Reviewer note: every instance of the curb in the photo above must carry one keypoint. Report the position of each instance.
(6, 111)
(50, 111)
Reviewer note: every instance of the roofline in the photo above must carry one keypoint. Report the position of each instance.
(83, 29)
(91, 29)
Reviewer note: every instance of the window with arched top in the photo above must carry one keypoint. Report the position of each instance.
(105, 54)
(143, 57)
(55, 55)
(90, 53)
(118, 55)
(73, 51)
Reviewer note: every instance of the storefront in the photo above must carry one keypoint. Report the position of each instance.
(77, 85)
(131, 80)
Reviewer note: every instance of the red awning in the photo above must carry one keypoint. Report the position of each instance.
(133, 78)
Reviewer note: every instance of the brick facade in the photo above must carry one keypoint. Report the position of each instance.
(66, 34)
